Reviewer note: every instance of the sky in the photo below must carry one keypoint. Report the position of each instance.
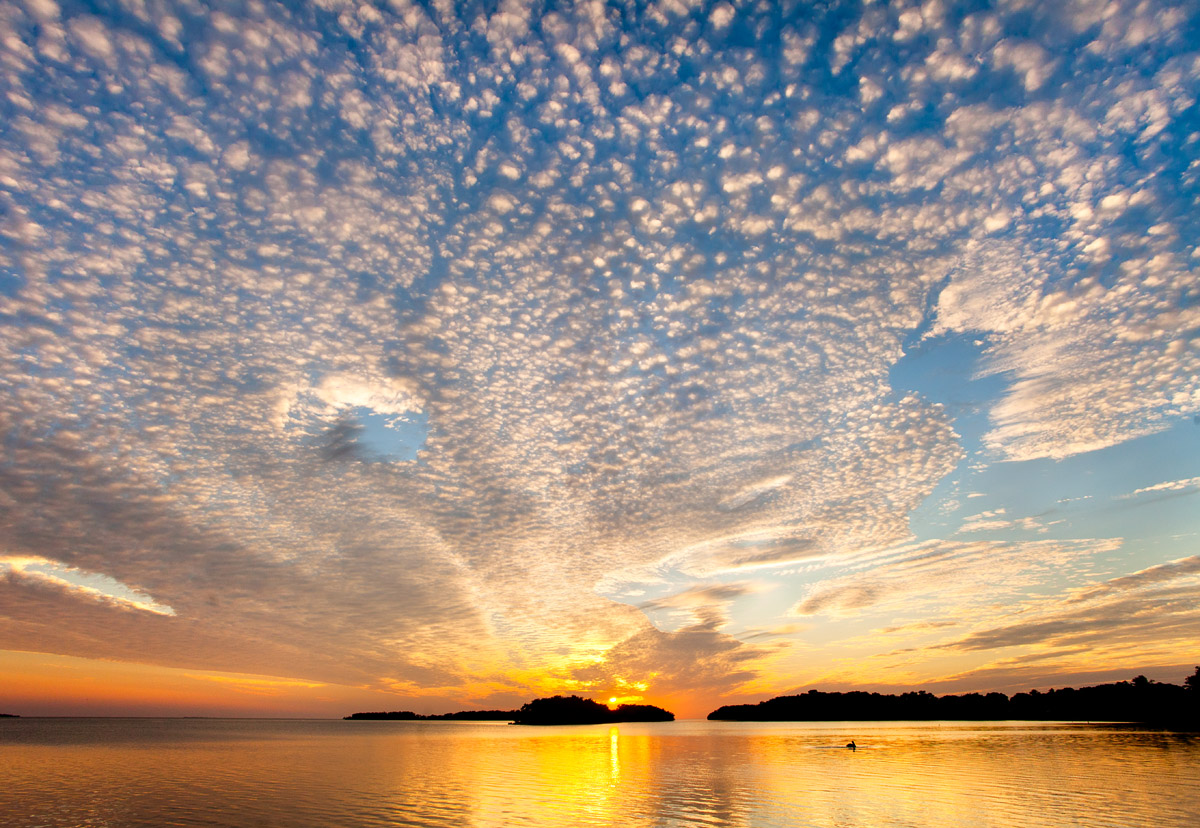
(439, 356)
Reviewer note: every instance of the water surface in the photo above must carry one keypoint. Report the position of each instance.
(213, 772)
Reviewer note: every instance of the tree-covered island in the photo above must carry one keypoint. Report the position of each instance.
(567, 710)
(1139, 700)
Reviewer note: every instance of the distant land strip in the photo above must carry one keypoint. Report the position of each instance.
(556, 710)
(1140, 700)
(462, 715)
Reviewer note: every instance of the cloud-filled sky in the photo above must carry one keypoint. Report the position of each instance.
(450, 354)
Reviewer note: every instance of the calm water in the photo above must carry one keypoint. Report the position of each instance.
(160, 772)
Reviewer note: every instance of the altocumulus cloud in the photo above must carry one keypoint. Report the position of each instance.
(644, 269)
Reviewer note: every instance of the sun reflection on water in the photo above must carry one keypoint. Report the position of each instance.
(614, 756)
(62, 773)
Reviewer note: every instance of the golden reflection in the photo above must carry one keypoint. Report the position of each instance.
(614, 756)
(455, 775)
(556, 777)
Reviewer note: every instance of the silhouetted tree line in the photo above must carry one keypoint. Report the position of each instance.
(462, 715)
(558, 710)
(551, 711)
(1140, 700)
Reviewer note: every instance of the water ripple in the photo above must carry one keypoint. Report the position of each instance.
(109, 773)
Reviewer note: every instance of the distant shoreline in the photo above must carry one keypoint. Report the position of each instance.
(1140, 701)
(460, 716)
(557, 710)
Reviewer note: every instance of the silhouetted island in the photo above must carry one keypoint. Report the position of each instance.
(9, 716)
(1140, 700)
(571, 710)
(460, 716)
(557, 710)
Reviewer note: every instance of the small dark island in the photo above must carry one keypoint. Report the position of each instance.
(1138, 701)
(572, 710)
(9, 716)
